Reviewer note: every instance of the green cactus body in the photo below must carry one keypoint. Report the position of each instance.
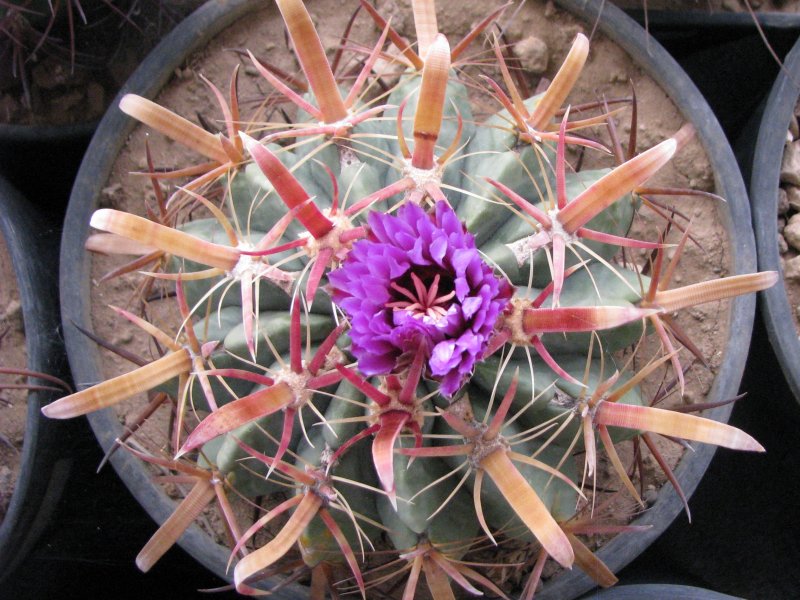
(614, 220)
(545, 396)
(495, 152)
(412, 522)
(556, 495)
(317, 544)
(597, 285)
(255, 203)
(360, 169)
(424, 301)
(233, 352)
(348, 403)
(559, 498)
(424, 512)
(247, 475)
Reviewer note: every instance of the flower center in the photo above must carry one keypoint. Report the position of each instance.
(422, 296)
(417, 286)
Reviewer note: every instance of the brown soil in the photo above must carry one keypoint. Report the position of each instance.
(53, 87)
(59, 97)
(789, 252)
(792, 287)
(608, 72)
(793, 292)
(13, 408)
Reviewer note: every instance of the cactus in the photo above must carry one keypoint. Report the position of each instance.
(405, 325)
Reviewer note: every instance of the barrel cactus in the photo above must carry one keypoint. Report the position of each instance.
(406, 326)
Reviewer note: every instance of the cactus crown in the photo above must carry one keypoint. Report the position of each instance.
(404, 321)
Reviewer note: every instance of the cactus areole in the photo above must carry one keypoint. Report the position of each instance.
(398, 324)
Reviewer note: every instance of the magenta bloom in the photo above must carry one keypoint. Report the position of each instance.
(418, 284)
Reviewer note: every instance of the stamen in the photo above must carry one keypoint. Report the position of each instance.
(425, 303)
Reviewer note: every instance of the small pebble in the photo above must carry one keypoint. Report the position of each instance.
(783, 201)
(8, 106)
(183, 73)
(123, 339)
(791, 268)
(110, 195)
(49, 75)
(617, 76)
(783, 247)
(533, 54)
(793, 194)
(790, 166)
(69, 100)
(792, 232)
(13, 316)
(112, 190)
(96, 98)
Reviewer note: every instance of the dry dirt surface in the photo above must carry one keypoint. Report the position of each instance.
(55, 86)
(13, 407)
(788, 218)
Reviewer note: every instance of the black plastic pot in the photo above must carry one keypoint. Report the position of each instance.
(213, 18)
(27, 150)
(45, 462)
(764, 183)
(723, 50)
(657, 591)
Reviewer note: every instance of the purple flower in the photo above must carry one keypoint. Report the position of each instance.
(418, 284)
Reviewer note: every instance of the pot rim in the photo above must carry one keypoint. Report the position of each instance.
(701, 17)
(42, 134)
(211, 19)
(44, 464)
(659, 591)
(764, 184)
